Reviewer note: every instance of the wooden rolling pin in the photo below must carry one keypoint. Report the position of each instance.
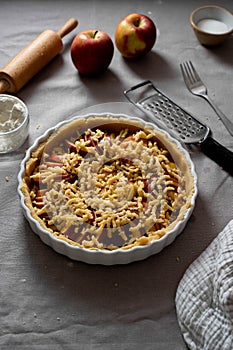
(33, 58)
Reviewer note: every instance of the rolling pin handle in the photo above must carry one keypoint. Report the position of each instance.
(4, 86)
(67, 27)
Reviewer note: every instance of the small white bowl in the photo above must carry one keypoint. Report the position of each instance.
(14, 123)
(120, 255)
(211, 24)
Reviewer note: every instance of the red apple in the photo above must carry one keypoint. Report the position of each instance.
(92, 52)
(135, 35)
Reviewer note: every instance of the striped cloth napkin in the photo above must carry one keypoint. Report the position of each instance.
(204, 297)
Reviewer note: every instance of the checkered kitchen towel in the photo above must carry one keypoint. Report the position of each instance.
(204, 298)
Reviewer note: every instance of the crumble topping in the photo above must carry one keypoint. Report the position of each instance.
(107, 190)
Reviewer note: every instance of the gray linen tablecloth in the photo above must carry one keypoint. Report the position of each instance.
(48, 301)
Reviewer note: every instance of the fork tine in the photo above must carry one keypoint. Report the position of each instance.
(195, 74)
(186, 74)
(189, 71)
(183, 71)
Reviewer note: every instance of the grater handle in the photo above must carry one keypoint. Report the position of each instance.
(218, 153)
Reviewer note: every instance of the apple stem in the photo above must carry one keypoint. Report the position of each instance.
(137, 22)
(95, 34)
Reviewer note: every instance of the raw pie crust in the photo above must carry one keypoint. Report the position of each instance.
(107, 183)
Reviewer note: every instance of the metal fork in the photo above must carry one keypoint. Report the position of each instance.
(196, 87)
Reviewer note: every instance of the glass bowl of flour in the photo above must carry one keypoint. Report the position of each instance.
(14, 123)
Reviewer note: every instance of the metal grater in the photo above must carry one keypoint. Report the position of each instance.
(182, 125)
(166, 113)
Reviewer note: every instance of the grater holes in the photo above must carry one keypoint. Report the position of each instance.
(182, 137)
(153, 107)
(179, 116)
(174, 118)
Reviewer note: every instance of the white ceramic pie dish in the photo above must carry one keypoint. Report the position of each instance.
(117, 256)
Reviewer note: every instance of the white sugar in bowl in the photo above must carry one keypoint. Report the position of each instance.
(211, 24)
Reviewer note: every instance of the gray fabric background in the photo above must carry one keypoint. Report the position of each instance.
(48, 301)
